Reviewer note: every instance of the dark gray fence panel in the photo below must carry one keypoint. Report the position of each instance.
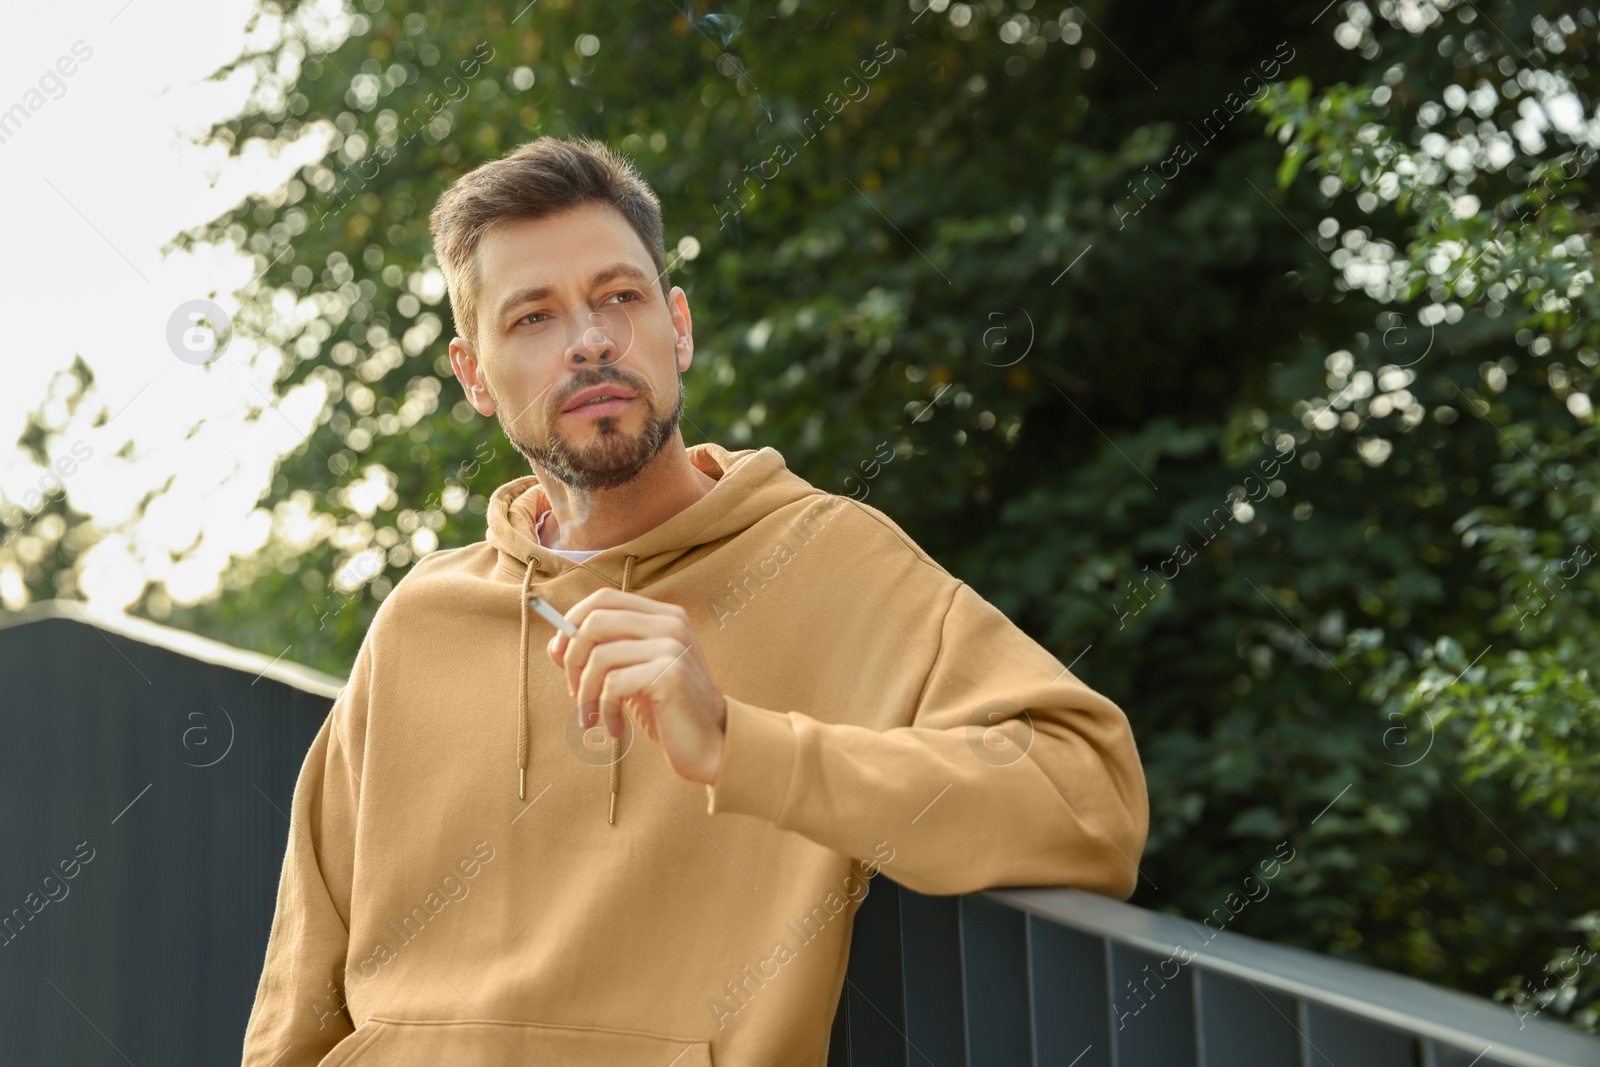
(873, 1002)
(1153, 1017)
(1439, 1054)
(1243, 1025)
(930, 930)
(175, 775)
(1071, 1008)
(994, 958)
(1337, 1037)
(839, 1037)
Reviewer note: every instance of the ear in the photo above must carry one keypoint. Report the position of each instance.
(464, 361)
(682, 327)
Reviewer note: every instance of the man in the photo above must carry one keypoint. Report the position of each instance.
(487, 865)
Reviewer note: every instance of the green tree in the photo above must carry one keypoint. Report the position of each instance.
(42, 536)
(1480, 145)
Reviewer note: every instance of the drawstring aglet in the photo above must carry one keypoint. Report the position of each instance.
(522, 783)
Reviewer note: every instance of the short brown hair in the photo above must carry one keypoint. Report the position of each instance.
(544, 177)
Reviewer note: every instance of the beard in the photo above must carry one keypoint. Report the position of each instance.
(612, 457)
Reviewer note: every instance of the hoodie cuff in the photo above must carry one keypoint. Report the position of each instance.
(759, 749)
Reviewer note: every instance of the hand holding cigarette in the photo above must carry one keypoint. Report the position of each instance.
(623, 652)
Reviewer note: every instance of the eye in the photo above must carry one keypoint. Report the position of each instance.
(531, 315)
(633, 296)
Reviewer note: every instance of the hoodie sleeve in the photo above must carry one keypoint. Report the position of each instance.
(1012, 772)
(299, 1011)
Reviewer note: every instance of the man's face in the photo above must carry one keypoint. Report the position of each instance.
(567, 305)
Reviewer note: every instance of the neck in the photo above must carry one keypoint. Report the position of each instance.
(581, 520)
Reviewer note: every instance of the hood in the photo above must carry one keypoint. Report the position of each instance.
(751, 484)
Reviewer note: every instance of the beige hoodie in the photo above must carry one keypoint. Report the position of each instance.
(469, 880)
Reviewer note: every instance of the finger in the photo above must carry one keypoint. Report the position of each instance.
(614, 655)
(556, 647)
(608, 658)
(609, 597)
(612, 713)
(606, 625)
(633, 685)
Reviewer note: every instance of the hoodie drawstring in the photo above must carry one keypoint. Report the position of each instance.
(616, 743)
(522, 699)
(522, 689)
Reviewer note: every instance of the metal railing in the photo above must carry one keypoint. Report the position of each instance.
(1064, 978)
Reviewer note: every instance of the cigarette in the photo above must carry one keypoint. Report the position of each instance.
(552, 616)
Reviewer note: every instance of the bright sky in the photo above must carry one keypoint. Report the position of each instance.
(101, 173)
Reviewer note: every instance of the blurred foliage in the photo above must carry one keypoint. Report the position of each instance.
(42, 537)
(1266, 406)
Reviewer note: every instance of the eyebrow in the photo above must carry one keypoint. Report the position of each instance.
(532, 293)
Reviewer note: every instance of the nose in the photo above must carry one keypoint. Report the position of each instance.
(592, 346)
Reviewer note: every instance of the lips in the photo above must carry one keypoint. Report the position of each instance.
(585, 400)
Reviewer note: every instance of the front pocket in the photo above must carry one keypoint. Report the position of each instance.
(349, 1048)
(500, 1043)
